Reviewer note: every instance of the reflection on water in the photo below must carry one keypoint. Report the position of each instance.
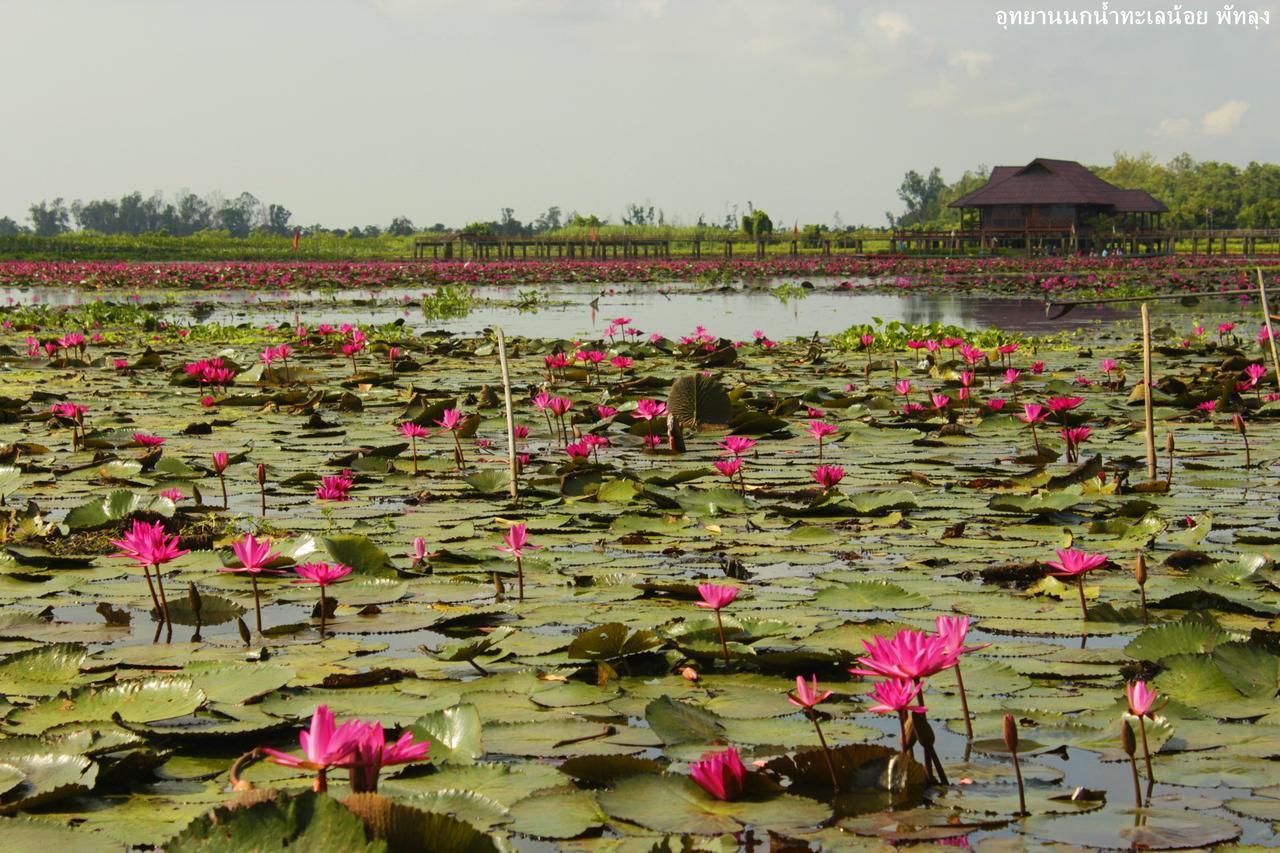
(670, 310)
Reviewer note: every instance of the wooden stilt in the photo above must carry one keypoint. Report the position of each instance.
(1147, 402)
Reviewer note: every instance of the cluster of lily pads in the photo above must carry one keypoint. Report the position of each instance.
(1006, 274)
(692, 587)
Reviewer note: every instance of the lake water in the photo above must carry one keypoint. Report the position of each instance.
(567, 310)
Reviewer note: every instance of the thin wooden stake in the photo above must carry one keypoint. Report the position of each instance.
(511, 418)
(1266, 318)
(1147, 403)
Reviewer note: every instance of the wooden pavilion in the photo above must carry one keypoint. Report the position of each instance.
(1056, 205)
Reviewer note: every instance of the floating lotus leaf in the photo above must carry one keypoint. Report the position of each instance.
(454, 733)
(679, 722)
(557, 814)
(1128, 829)
(22, 833)
(305, 821)
(699, 399)
(139, 701)
(675, 804)
(42, 671)
(47, 777)
(116, 506)
(869, 595)
(614, 640)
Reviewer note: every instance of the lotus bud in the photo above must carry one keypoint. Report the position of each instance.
(193, 596)
(1168, 443)
(1238, 420)
(1011, 733)
(1140, 569)
(688, 673)
(262, 474)
(1127, 740)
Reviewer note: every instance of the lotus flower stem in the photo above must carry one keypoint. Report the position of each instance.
(964, 703)
(262, 487)
(146, 571)
(164, 602)
(1130, 746)
(321, 783)
(222, 481)
(520, 577)
(902, 732)
(324, 614)
(724, 644)
(497, 587)
(1140, 573)
(413, 444)
(1168, 447)
(1146, 754)
(826, 750)
(1035, 439)
(1011, 742)
(1084, 610)
(257, 601)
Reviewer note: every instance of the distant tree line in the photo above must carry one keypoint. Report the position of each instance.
(187, 213)
(1196, 192)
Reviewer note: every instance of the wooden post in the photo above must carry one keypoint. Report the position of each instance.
(511, 418)
(1266, 319)
(1147, 402)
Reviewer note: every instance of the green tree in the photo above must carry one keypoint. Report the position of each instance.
(50, 218)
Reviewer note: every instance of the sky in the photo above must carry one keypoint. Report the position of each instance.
(355, 111)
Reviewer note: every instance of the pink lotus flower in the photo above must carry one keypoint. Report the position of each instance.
(1255, 372)
(517, 539)
(1011, 376)
(323, 745)
(1207, 406)
(220, 459)
(373, 752)
(411, 430)
(174, 495)
(647, 410)
(821, 429)
(895, 695)
(720, 774)
(1033, 413)
(953, 630)
(335, 487)
(578, 450)
(70, 411)
(450, 419)
(1060, 405)
(1071, 563)
(1225, 328)
(940, 401)
(828, 476)
(148, 544)
(909, 654)
(146, 439)
(606, 411)
(996, 404)
(1108, 365)
(806, 694)
(321, 574)
(1141, 698)
(622, 362)
(560, 405)
(903, 387)
(737, 445)
(542, 400)
(253, 555)
(729, 467)
(419, 552)
(716, 596)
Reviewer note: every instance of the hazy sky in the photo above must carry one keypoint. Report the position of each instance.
(354, 111)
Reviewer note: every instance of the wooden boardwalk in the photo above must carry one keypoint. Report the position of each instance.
(1039, 241)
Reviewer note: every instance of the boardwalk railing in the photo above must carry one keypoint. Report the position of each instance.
(1036, 240)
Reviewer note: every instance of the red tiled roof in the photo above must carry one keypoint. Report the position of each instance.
(1045, 181)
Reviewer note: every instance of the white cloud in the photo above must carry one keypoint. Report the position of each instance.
(893, 26)
(1224, 119)
(1173, 128)
(971, 62)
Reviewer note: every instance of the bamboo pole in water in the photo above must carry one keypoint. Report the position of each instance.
(1266, 319)
(1147, 404)
(511, 418)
